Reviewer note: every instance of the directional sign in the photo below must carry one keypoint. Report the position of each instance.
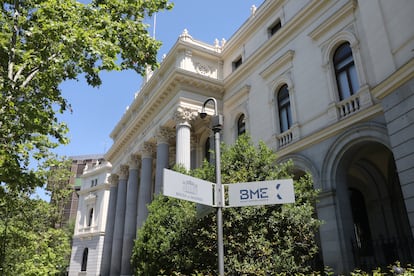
(261, 193)
(189, 188)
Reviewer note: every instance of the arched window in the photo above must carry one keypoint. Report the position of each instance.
(283, 105)
(241, 125)
(90, 217)
(207, 150)
(345, 72)
(84, 259)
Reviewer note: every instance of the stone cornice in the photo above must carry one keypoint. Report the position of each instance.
(286, 58)
(252, 24)
(97, 188)
(106, 166)
(232, 99)
(274, 44)
(345, 11)
(398, 78)
(137, 118)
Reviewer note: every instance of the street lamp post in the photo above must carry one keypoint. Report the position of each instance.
(217, 125)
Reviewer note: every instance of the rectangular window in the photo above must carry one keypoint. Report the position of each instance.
(237, 63)
(274, 28)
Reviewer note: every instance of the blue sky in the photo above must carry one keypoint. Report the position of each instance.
(96, 111)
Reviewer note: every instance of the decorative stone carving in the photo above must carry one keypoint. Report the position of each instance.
(164, 134)
(134, 161)
(184, 115)
(203, 69)
(123, 172)
(113, 179)
(147, 149)
(185, 35)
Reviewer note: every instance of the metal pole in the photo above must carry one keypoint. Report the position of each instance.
(220, 201)
(216, 127)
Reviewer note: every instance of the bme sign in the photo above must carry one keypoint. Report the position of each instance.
(261, 193)
(200, 191)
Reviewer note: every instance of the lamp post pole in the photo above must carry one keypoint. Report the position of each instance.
(217, 125)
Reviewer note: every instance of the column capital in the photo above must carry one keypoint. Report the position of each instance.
(164, 134)
(147, 149)
(184, 115)
(123, 172)
(113, 179)
(134, 162)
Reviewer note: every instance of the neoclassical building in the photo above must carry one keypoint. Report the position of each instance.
(327, 84)
(89, 233)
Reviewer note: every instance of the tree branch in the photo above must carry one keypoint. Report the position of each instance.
(30, 77)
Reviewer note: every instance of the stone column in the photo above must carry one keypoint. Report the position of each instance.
(130, 215)
(163, 136)
(119, 222)
(144, 196)
(109, 228)
(183, 118)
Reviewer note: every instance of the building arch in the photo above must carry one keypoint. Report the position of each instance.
(370, 214)
(366, 132)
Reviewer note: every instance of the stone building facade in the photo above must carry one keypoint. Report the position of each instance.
(327, 84)
(90, 224)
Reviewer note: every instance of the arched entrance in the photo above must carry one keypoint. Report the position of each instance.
(373, 213)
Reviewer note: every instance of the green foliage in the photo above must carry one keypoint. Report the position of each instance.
(166, 249)
(46, 42)
(259, 240)
(28, 243)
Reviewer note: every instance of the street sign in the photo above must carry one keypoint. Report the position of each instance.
(261, 193)
(189, 188)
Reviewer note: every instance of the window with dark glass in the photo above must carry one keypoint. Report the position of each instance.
(274, 28)
(84, 259)
(345, 72)
(283, 104)
(237, 63)
(241, 125)
(90, 217)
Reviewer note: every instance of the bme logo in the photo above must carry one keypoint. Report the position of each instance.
(247, 194)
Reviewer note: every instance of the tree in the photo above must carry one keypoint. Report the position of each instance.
(33, 238)
(29, 245)
(259, 240)
(46, 42)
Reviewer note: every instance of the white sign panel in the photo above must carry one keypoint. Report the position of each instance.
(189, 188)
(261, 193)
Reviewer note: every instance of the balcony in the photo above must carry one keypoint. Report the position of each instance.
(289, 136)
(351, 105)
